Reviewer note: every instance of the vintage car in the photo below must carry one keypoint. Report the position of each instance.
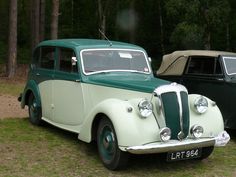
(105, 91)
(210, 73)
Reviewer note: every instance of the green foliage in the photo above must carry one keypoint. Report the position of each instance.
(187, 36)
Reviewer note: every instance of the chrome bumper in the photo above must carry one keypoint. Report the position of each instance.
(175, 145)
(172, 145)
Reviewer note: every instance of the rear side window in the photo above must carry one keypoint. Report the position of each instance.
(65, 60)
(47, 57)
(203, 66)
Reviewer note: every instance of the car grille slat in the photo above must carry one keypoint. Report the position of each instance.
(175, 109)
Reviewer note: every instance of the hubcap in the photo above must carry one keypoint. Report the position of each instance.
(107, 143)
(33, 109)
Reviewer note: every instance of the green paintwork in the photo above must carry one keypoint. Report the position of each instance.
(87, 43)
(107, 144)
(31, 86)
(186, 117)
(172, 117)
(125, 80)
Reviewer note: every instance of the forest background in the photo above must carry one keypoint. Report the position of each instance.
(159, 26)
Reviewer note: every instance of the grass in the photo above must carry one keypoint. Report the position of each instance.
(28, 150)
(11, 88)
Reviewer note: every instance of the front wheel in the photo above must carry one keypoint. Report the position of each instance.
(206, 152)
(35, 113)
(112, 157)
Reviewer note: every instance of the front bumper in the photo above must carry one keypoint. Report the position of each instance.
(175, 145)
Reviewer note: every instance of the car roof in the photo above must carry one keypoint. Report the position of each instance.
(174, 63)
(87, 43)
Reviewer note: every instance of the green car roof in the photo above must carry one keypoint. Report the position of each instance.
(88, 43)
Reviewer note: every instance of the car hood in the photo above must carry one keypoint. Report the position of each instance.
(130, 81)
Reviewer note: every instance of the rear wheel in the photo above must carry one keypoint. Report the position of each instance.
(35, 113)
(112, 157)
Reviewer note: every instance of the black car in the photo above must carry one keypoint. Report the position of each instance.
(210, 73)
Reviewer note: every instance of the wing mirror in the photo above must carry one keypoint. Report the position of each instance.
(73, 61)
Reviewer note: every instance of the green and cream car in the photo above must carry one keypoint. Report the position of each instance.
(105, 91)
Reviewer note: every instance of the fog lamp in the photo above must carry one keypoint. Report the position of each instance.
(196, 131)
(165, 134)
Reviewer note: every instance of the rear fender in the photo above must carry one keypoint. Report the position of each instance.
(30, 88)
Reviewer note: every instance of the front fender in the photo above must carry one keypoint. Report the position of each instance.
(31, 87)
(211, 121)
(130, 128)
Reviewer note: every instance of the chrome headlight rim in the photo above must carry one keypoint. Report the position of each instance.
(165, 134)
(196, 131)
(145, 108)
(200, 105)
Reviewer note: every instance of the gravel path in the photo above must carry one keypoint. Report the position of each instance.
(10, 107)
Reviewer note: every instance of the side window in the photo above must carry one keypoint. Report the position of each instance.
(36, 57)
(65, 58)
(47, 57)
(203, 66)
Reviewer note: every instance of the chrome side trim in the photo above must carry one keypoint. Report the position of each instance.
(172, 145)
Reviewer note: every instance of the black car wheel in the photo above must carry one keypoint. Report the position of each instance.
(112, 157)
(206, 152)
(35, 113)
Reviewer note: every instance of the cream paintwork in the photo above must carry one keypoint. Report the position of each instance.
(45, 90)
(68, 102)
(131, 129)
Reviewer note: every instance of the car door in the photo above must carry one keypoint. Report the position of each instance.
(67, 90)
(43, 75)
(204, 75)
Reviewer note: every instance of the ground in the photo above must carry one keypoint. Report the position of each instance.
(9, 105)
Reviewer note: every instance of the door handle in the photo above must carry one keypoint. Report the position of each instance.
(37, 74)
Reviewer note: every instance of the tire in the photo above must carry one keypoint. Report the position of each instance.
(35, 112)
(206, 152)
(110, 154)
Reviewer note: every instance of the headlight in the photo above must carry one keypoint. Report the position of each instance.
(165, 134)
(201, 105)
(196, 131)
(145, 108)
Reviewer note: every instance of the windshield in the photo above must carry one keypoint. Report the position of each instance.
(230, 65)
(108, 60)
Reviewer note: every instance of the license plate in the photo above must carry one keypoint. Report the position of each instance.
(184, 155)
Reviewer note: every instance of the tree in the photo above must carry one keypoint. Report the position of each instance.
(12, 40)
(35, 13)
(54, 22)
(198, 21)
(103, 11)
(42, 20)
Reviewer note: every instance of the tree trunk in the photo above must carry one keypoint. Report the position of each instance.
(102, 20)
(12, 40)
(42, 20)
(35, 21)
(54, 22)
(208, 40)
(228, 37)
(161, 28)
(132, 17)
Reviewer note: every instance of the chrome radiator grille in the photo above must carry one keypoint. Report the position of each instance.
(173, 105)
